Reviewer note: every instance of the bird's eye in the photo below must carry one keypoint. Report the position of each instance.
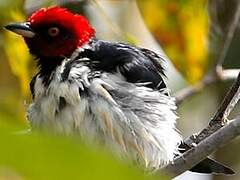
(53, 31)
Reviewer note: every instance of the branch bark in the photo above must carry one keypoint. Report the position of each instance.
(203, 149)
(220, 116)
(218, 76)
(215, 135)
(219, 131)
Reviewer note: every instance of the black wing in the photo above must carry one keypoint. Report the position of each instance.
(137, 65)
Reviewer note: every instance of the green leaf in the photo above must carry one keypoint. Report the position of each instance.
(41, 156)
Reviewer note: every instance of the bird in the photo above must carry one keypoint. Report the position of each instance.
(107, 92)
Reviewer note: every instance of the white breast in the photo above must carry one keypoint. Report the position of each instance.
(133, 120)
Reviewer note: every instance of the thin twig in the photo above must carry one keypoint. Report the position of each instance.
(228, 37)
(229, 74)
(203, 149)
(210, 79)
(212, 137)
(219, 74)
(232, 95)
(113, 26)
(220, 116)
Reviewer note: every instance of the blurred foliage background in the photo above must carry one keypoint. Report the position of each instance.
(182, 29)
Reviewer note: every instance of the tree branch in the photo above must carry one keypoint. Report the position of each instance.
(229, 35)
(219, 75)
(212, 137)
(189, 91)
(112, 25)
(203, 149)
(220, 116)
(228, 103)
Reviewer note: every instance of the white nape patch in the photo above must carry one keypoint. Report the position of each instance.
(133, 120)
(79, 50)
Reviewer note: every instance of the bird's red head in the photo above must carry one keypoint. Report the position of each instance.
(54, 32)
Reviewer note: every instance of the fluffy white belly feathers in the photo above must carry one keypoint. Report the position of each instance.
(135, 120)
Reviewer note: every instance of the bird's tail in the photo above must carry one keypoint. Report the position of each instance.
(210, 166)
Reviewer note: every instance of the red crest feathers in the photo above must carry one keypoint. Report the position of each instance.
(74, 22)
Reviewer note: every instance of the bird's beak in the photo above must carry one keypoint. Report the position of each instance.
(22, 29)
